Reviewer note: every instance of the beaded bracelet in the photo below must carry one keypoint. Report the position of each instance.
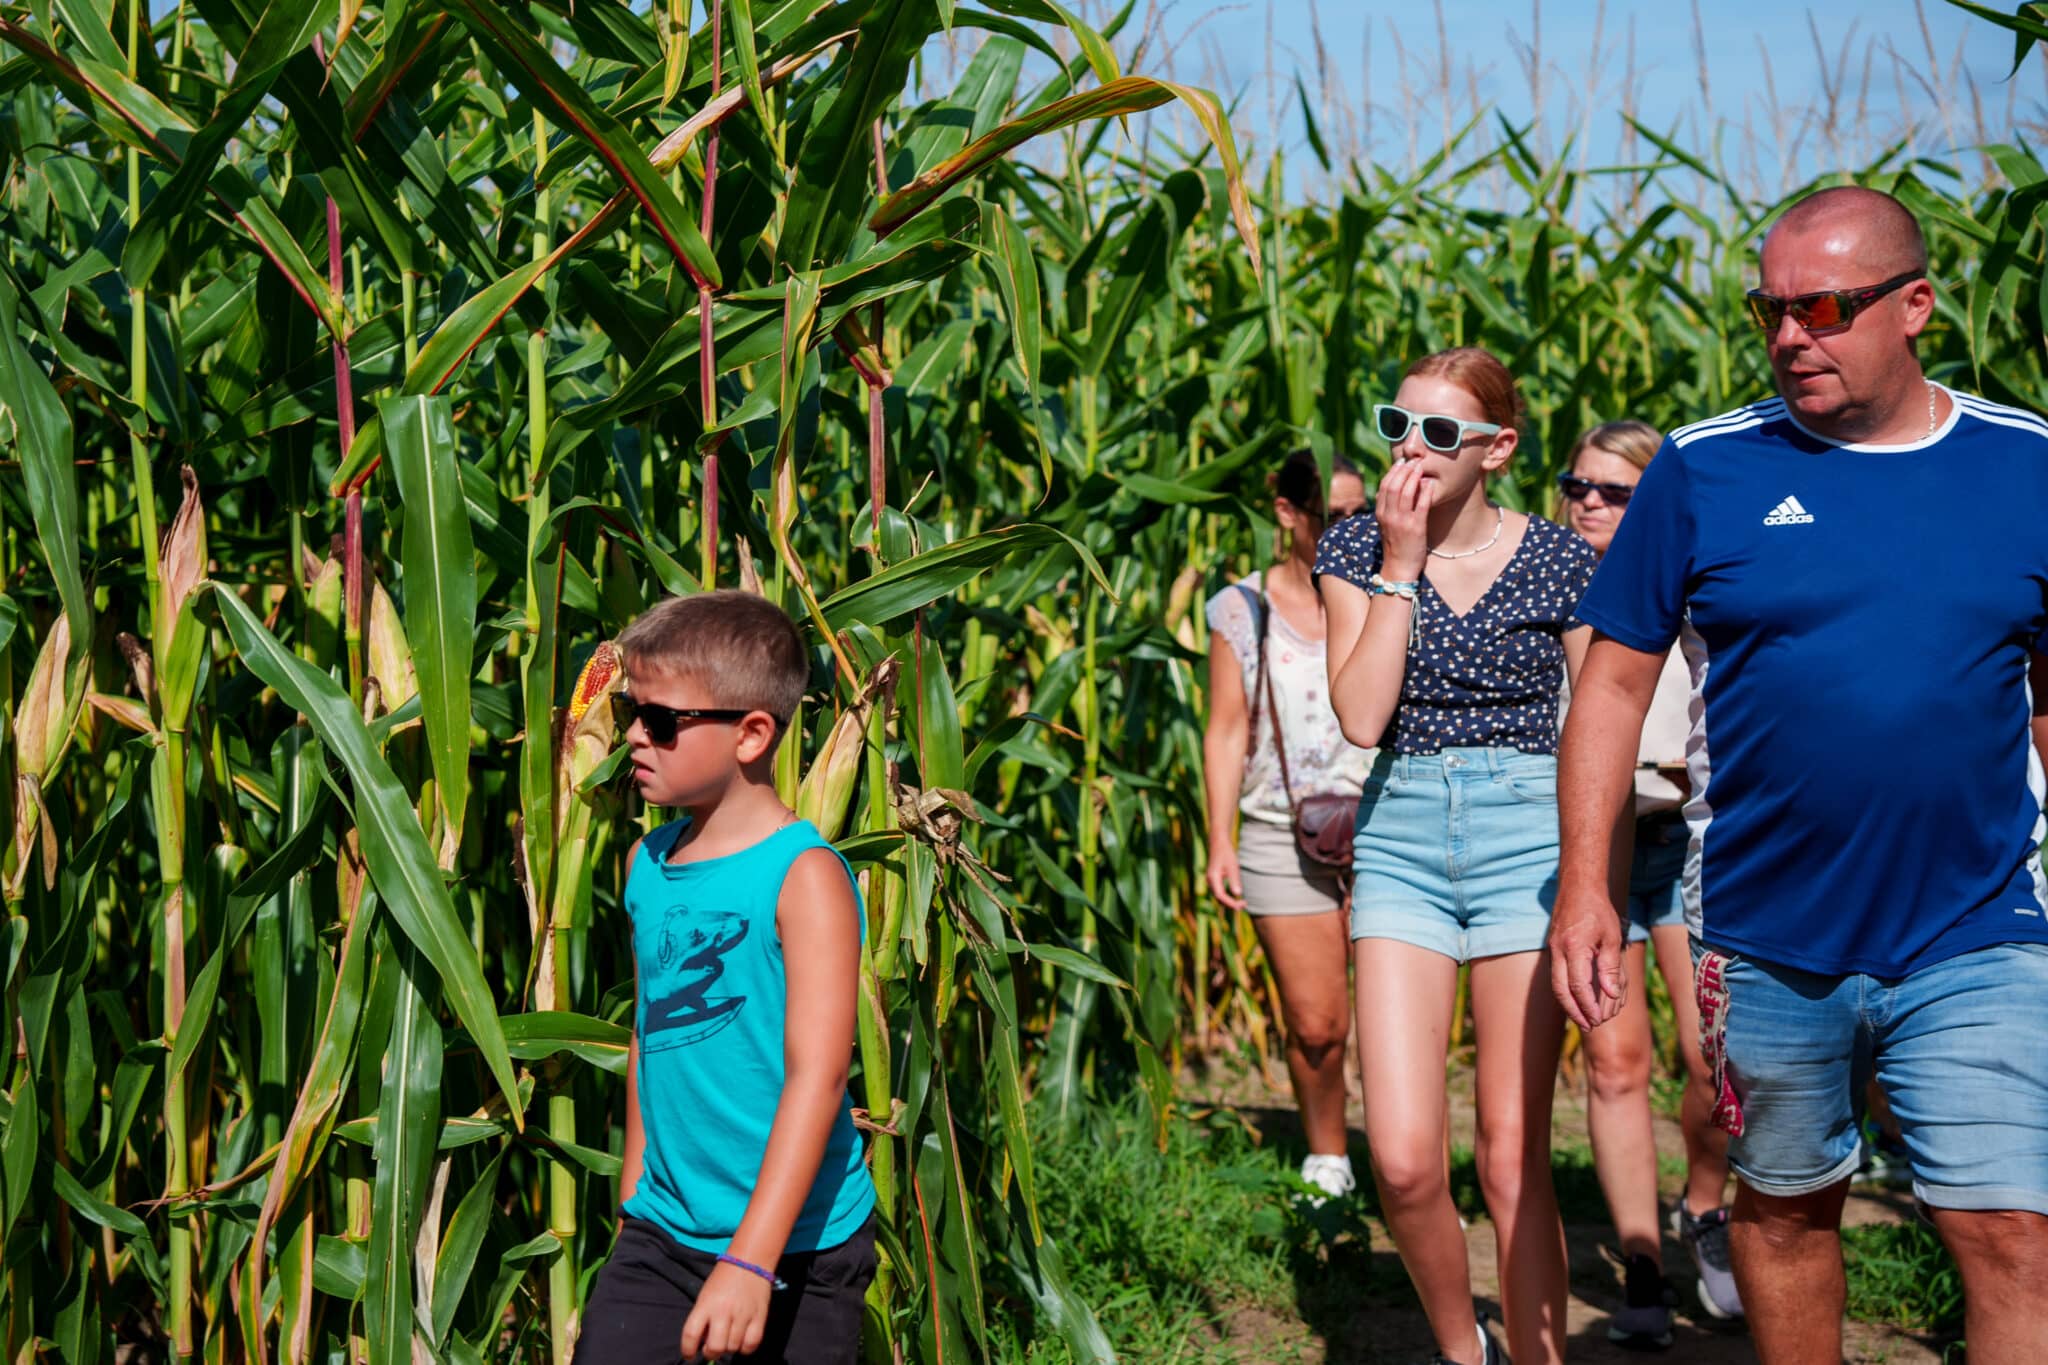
(774, 1280)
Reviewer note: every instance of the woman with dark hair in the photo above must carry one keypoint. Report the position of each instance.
(1451, 628)
(1272, 743)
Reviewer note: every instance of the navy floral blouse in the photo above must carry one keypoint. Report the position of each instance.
(1491, 677)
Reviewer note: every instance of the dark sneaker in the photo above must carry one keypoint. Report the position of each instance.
(1494, 1352)
(1706, 1237)
(1645, 1324)
(1491, 1352)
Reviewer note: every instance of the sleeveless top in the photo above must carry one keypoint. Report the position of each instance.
(709, 1023)
(1320, 759)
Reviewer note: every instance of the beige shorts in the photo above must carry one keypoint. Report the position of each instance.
(1278, 880)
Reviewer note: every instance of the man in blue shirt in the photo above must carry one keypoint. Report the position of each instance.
(1857, 571)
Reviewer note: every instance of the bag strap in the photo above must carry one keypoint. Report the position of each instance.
(1262, 693)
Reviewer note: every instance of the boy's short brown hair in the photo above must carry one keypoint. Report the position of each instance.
(740, 648)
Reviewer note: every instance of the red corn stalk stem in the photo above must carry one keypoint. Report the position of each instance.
(707, 359)
(344, 378)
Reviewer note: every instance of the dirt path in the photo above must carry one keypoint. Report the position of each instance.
(1362, 1309)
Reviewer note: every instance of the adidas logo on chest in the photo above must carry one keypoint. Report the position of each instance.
(1789, 513)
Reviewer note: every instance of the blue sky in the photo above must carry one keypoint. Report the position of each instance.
(1226, 44)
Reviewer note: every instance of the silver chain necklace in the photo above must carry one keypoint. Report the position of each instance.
(1930, 407)
(1500, 519)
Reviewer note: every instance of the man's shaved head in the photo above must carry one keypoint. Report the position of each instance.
(1857, 380)
(1888, 236)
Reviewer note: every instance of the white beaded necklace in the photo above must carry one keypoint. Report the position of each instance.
(1500, 519)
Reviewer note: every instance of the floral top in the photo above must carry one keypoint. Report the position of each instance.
(1318, 756)
(1490, 677)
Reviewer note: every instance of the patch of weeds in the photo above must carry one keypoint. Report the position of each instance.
(1168, 1245)
(1901, 1275)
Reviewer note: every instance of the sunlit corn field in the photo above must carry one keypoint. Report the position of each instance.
(365, 369)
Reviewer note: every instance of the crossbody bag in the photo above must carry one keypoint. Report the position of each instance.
(1325, 824)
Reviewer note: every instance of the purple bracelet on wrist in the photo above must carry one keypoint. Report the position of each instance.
(774, 1280)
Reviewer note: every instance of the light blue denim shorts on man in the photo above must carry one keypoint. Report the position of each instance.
(1457, 851)
(1957, 1047)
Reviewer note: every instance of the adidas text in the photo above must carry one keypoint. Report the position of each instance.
(1789, 513)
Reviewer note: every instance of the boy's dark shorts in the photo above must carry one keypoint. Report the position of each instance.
(644, 1294)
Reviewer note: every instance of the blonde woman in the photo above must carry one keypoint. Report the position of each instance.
(1254, 863)
(1604, 468)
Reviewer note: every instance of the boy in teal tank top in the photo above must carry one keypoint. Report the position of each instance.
(747, 1226)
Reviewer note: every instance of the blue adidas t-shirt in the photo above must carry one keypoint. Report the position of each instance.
(1858, 621)
(713, 998)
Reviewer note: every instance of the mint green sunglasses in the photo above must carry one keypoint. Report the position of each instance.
(1439, 432)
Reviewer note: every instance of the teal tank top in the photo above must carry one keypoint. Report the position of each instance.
(713, 996)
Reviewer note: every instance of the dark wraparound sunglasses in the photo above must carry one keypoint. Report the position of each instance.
(1578, 490)
(661, 721)
(1830, 310)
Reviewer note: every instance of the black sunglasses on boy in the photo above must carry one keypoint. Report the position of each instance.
(661, 721)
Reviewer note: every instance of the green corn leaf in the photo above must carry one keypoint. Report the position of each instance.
(440, 584)
(1101, 57)
(284, 30)
(902, 588)
(992, 976)
(136, 117)
(92, 1207)
(835, 170)
(1126, 95)
(1080, 964)
(456, 1259)
(410, 1114)
(341, 1269)
(2028, 23)
(442, 357)
(545, 1033)
(18, 1146)
(1042, 1272)
(396, 851)
(1016, 271)
(749, 60)
(529, 66)
(42, 435)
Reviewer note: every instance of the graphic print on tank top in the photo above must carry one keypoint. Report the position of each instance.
(692, 951)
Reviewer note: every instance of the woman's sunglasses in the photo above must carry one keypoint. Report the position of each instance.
(1439, 432)
(660, 721)
(1578, 490)
(1830, 310)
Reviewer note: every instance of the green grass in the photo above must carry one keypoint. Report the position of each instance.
(1901, 1274)
(1199, 1253)
(1172, 1246)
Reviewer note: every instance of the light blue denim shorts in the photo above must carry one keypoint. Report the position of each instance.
(1957, 1047)
(1656, 893)
(1457, 851)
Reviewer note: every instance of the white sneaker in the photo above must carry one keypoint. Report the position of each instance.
(1330, 1174)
